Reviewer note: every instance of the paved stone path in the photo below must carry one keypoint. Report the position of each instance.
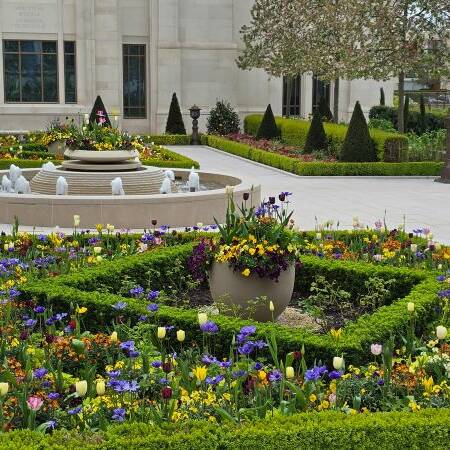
(417, 201)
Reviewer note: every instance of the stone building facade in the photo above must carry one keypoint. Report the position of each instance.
(58, 55)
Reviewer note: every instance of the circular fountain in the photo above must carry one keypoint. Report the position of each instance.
(91, 173)
(89, 176)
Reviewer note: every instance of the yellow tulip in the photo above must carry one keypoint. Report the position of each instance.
(97, 250)
(4, 388)
(271, 306)
(338, 362)
(410, 307)
(202, 318)
(113, 337)
(100, 387)
(181, 336)
(81, 388)
(441, 332)
(428, 385)
(82, 310)
(76, 220)
(161, 332)
(290, 372)
(200, 373)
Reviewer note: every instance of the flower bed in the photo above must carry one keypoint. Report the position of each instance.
(297, 167)
(138, 360)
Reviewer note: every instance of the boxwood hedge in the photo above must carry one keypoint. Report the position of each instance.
(298, 167)
(168, 139)
(426, 429)
(295, 131)
(411, 285)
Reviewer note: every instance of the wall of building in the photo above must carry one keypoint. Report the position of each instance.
(191, 50)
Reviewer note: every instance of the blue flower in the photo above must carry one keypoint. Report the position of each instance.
(152, 295)
(54, 395)
(335, 374)
(137, 291)
(143, 318)
(114, 373)
(209, 327)
(315, 373)
(39, 309)
(156, 364)
(51, 424)
(74, 411)
(208, 359)
(152, 307)
(225, 364)
(258, 366)
(213, 381)
(239, 374)
(119, 306)
(30, 323)
(444, 294)
(275, 376)
(40, 373)
(118, 414)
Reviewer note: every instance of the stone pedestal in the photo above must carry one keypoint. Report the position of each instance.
(445, 175)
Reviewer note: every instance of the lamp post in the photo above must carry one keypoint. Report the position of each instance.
(445, 175)
(195, 115)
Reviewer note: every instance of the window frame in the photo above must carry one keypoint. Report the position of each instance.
(142, 56)
(19, 53)
(74, 54)
(295, 108)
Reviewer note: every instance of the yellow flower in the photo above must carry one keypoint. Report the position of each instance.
(414, 406)
(252, 251)
(226, 396)
(428, 385)
(336, 334)
(200, 373)
(99, 227)
(312, 398)
(82, 310)
(262, 375)
(246, 272)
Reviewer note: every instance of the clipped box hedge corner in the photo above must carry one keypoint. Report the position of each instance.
(410, 286)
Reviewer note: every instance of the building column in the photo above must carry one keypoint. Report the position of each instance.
(60, 49)
(306, 95)
(152, 65)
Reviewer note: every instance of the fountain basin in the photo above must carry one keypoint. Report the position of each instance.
(128, 211)
(101, 157)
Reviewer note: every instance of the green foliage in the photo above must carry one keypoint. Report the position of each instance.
(430, 146)
(358, 146)
(382, 98)
(99, 106)
(175, 124)
(410, 286)
(316, 139)
(294, 132)
(167, 139)
(417, 122)
(381, 124)
(426, 429)
(323, 168)
(422, 117)
(24, 163)
(324, 110)
(406, 111)
(223, 119)
(268, 128)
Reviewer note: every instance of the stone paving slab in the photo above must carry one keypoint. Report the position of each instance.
(416, 201)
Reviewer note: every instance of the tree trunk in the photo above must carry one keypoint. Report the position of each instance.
(401, 103)
(336, 101)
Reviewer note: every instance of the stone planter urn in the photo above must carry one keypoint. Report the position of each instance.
(57, 148)
(101, 157)
(233, 289)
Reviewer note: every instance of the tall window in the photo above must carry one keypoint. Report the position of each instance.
(320, 89)
(292, 107)
(30, 71)
(70, 72)
(134, 81)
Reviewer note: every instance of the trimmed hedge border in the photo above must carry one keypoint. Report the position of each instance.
(426, 429)
(412, 285)
(168, 139)
(295, 131)
(292, 165)
(178, 161)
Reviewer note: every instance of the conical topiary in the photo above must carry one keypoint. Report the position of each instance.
(358, 145)
(99, 114)
(175, 124)
(268, 128)
(324, 109)
(382, 98)
(316, 139)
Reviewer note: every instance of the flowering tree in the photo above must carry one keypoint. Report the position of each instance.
(405, 36)
(291, 37)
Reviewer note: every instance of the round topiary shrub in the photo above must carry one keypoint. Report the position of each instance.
(223, 119)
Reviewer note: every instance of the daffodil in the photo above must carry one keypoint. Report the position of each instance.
(200, 373)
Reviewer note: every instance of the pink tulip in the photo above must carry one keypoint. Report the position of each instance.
(35, 403)
(376, 349)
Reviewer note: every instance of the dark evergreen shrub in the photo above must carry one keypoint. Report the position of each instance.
(99, 108)
(382, 98)
(422, 117)
(223, 119)
(268, 128)
(175, 124)
(406, 113)
(325, 111)
(358, 145)
(316, 140)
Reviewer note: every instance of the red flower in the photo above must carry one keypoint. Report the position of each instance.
(166, 392)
